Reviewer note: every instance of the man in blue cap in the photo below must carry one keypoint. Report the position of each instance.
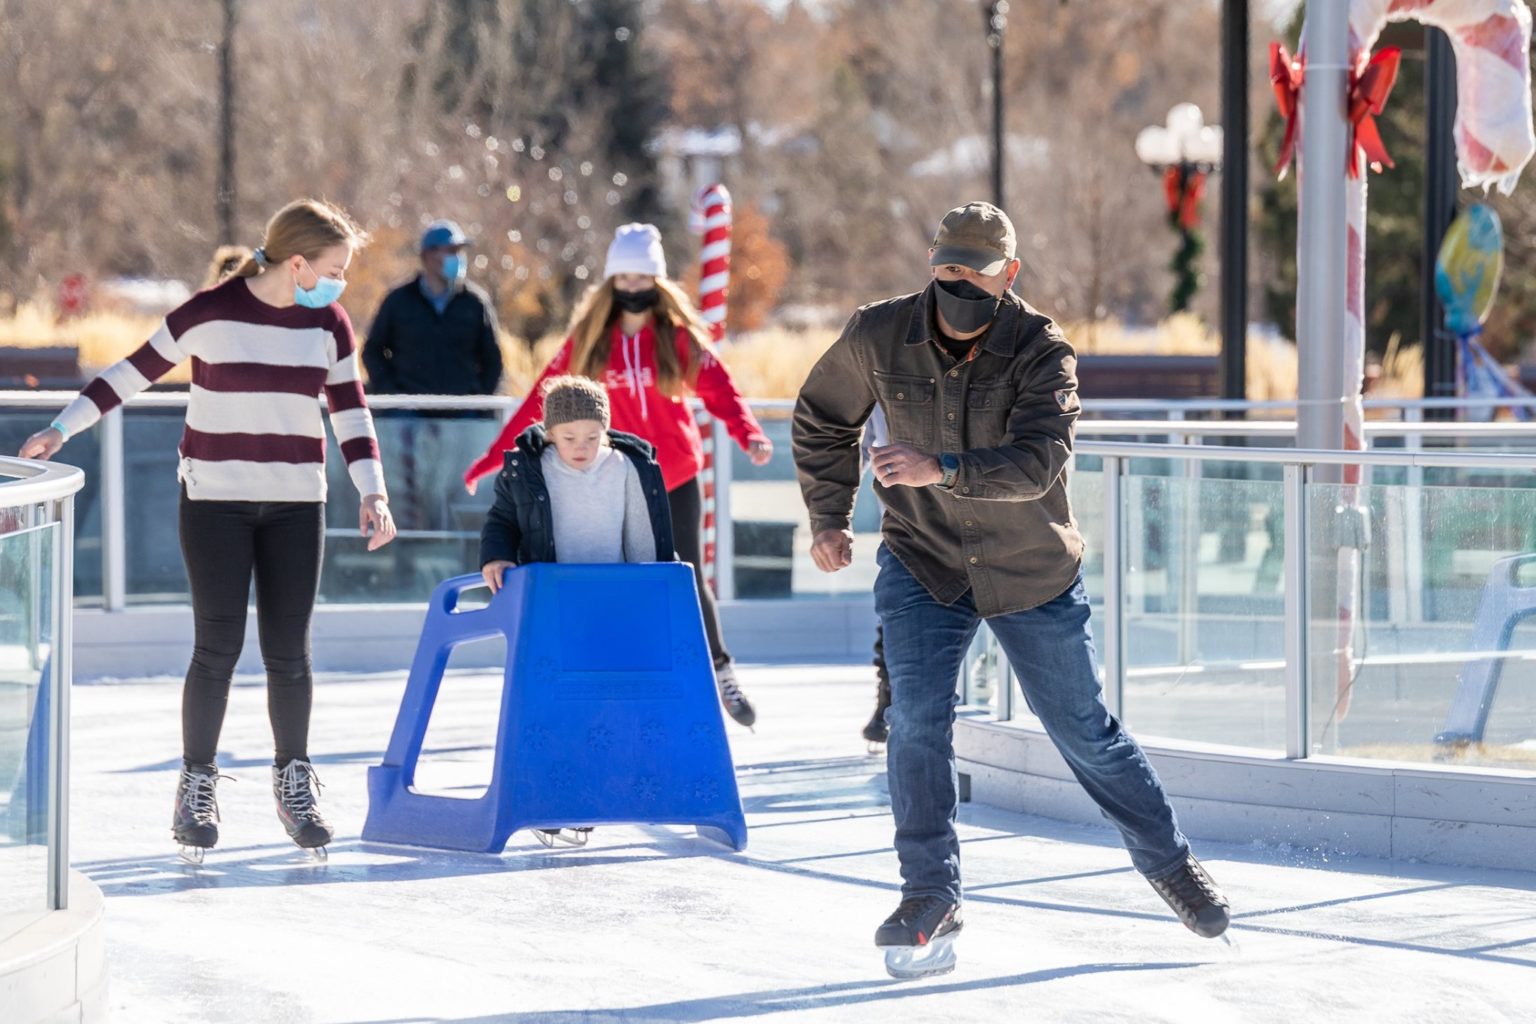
(434, 335)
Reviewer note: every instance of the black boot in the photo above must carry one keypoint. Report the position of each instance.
(195, 821)
(1193, 895)
(294, 787)
(876, 730)
(918, 938)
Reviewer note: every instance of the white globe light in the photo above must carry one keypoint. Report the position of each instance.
(1185, 121)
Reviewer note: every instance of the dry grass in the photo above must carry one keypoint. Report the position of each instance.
(770, 363)
(1477, 755)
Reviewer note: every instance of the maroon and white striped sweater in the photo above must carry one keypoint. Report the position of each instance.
(254, 431)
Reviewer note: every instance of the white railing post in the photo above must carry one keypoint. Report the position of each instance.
(1189, 557)
(1297, 614)
(114, 514)
(725, 530)
(61, 656)
(1114, 631)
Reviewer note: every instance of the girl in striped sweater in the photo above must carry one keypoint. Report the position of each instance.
(264, 345)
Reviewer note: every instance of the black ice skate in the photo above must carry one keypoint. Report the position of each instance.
(195, 820)
(562, 836)
(876, 732)
(919, 937)
(294, 787)
(1193, 895)
(736, 703)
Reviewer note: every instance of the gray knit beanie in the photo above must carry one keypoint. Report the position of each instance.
(574, 398)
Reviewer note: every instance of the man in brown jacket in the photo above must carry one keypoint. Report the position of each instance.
(980, 394)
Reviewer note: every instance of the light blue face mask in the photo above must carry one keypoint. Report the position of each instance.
(454, 268)
(326, 291)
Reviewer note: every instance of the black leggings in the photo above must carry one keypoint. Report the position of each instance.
(224, 543)
(687, 503)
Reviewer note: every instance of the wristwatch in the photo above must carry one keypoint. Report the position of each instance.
(950, 464)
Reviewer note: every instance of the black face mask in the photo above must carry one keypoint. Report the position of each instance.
(636, 302)
(965, 306)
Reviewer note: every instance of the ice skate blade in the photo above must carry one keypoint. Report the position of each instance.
(875, 748)
(908, 962)
(576, 837)
(192, 855)
(318, 854)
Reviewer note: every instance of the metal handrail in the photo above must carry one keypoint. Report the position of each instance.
(33, 483)
(1459, 459)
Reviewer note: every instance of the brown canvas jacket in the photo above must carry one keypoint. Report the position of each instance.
(1005, 531)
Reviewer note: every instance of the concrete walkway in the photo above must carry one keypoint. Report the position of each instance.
(655, 924)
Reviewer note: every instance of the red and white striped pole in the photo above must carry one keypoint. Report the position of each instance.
(711, 215)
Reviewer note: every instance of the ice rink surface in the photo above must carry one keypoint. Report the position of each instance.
(656, 924)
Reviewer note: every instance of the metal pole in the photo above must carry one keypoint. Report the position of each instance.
(114, 514)
(1320, 257)
(61, 678)
(1114, 591)
(997, 27)
(1297, 613)
(1439, 209)
(225, 199)
(1234, 199)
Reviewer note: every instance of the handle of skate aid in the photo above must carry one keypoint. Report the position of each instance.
(445, 599)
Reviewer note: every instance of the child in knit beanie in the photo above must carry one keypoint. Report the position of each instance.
(575, 491)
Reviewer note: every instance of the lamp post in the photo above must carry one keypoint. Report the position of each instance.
(996, 12)
(1185, 151)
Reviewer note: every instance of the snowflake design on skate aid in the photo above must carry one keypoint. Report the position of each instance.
(561, 775)
(600, 738)
(536, 737)
(653, 733)
(698, 733)
(647, 788)
(706, 789)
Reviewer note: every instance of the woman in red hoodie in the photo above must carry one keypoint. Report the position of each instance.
(638, 334)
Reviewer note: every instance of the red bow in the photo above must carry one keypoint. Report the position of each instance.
(1285, 75)
(1183, 190)
(1368, 92)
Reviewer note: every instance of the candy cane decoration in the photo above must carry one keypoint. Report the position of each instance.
(1494, 141)
(712, 215)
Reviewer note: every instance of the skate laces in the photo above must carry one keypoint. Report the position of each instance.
(297, 783)
(1191, 885)
(909, 910)
(729, 691)
(199, 795)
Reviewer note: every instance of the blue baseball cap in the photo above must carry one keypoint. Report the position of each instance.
(443, 233)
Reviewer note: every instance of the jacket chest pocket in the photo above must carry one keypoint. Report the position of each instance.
(908, 405)
(988, 404)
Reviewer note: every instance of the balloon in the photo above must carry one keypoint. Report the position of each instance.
(1468, 268)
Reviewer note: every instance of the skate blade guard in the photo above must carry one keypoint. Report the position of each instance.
(608, 716)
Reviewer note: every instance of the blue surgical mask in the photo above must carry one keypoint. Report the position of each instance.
(454, 268)
(326, 291)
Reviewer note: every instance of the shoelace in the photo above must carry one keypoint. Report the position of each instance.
(297, 796)
(1192, 886)
(731, 692)
(910, 909)
(201, 796)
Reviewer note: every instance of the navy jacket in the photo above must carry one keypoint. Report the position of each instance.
(411, 350)
(520, 526)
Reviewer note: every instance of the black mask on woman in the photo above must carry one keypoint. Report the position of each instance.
(636, 302)
(965, 306)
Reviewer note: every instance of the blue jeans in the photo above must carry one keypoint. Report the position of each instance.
(1051, 651)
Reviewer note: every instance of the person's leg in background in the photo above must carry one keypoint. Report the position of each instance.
(290, 542)
(687, 505)
(876, 730)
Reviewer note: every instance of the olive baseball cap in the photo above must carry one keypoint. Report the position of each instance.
(976, 235)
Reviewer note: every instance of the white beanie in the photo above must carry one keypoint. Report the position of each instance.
(636, 249)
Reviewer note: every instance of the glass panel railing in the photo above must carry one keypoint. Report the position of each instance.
(772, 529)
(1439, 668)
(84, 451)
(26, 629)
(1204, 609)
